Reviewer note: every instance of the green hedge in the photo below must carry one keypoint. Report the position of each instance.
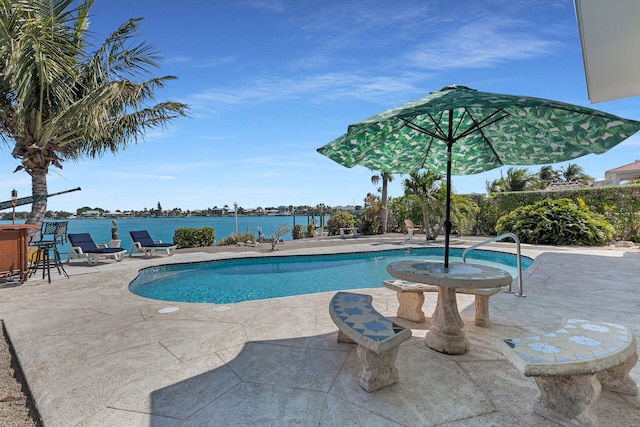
(619, 204)
(186, 237)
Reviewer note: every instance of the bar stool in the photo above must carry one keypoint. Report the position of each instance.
(51, 234)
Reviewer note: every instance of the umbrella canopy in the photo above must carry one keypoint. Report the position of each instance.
(461, 131)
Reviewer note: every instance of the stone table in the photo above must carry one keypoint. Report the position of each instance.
(445, 334)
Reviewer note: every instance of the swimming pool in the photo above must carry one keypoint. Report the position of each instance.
(234, 280)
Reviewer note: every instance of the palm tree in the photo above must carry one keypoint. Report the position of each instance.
(547, 173)
(575, 173)
(59, 100)
(384, 213)
(517, 179)
(429, 188)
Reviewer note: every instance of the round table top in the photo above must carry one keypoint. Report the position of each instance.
(457, 275)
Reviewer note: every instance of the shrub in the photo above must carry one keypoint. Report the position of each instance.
(237, 238)
(557, 222)
(185, 237)
(297, 232)
(369, 226)
(401, 208)
(311, 230)
(340, 220)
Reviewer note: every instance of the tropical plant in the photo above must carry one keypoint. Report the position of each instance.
(464, 211)
(311, 230)
(429, 189)
(62, 101)
(297, 232)
(276, 236)
(369, 219)
(557, 222)
(386, 178)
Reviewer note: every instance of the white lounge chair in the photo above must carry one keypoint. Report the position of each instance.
(83, 247)
(143, 243)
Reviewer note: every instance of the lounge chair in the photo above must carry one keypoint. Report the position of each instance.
(83, 247)
(411, 228)
(143, 243)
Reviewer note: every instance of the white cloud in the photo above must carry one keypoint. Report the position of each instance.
(480, 44)
(136, 175)
(216, 62)
(275, 6)
(328, 86)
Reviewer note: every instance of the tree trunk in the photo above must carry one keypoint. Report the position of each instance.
(38, 207)
(427, 226)
(383, 211)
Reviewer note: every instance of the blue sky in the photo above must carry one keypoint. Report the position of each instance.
(269, 81)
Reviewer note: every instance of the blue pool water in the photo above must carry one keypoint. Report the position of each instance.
(235, 280)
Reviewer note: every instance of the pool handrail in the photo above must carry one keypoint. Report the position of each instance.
(520, 292)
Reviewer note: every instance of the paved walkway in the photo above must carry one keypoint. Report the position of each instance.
(96, 355)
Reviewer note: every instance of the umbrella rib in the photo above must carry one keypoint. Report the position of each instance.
(420, 129)
(478, 126)
(436, 124)
(464, 113)
(487, 121)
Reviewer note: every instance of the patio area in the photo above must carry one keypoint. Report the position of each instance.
(94, 354)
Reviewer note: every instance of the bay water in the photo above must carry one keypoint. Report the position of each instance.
(163, 228)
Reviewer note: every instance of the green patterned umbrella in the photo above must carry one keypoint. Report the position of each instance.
(460, 131)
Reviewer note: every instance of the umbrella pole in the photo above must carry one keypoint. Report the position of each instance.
(447, 209)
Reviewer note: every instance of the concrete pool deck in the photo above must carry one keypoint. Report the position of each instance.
(94, 354)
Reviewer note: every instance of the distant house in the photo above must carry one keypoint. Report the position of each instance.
(90, 214)
(623, 173)
(564, 185)
(112, 214)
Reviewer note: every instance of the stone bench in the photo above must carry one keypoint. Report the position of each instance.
(378, 338)
(411, 298)
(572, 364)
(352, 230)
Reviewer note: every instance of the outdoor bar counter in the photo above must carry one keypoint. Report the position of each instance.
(14, 239)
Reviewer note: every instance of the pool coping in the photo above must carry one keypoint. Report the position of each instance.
(94, 354)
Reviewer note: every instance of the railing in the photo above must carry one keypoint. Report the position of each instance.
(520, 292)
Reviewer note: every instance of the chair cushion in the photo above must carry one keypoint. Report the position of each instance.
(83, 241)
(86, 243)
(105, 250)
(146, 241)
